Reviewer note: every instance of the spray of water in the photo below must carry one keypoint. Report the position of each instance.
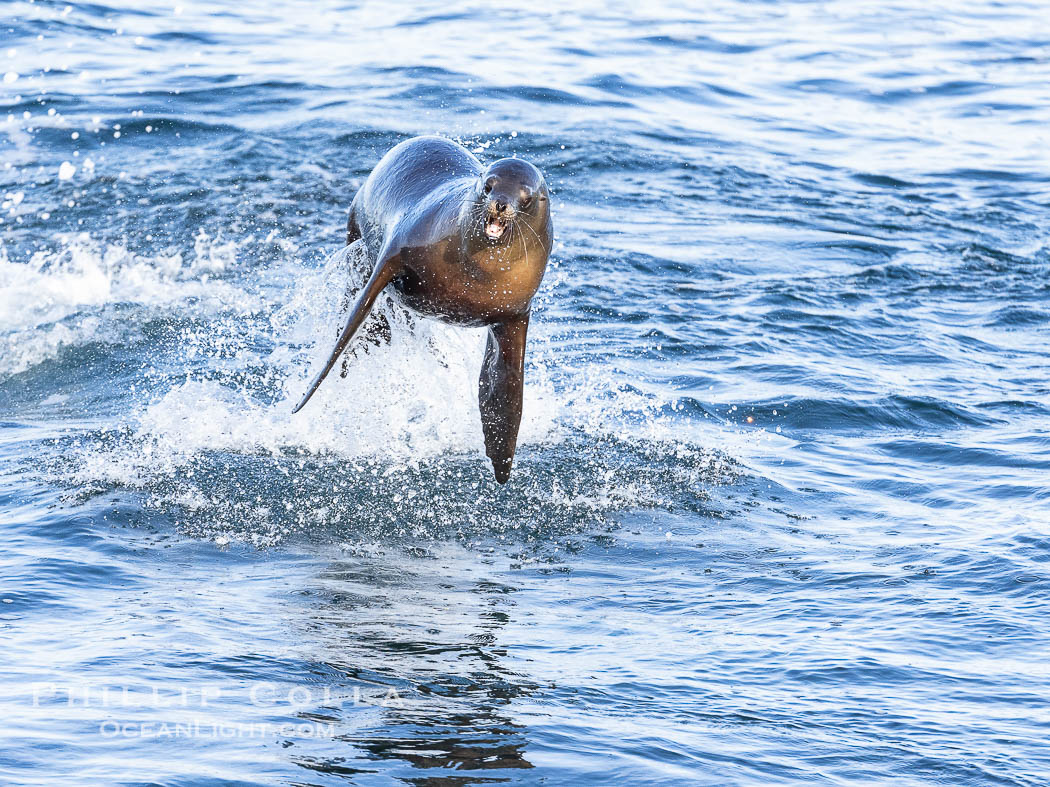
(389, 447)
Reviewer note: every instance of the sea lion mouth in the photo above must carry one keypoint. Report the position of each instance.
(495, 227)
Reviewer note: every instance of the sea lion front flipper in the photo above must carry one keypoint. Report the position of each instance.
(386, 269)
(499, 392)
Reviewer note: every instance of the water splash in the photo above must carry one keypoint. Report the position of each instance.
(71, 296)
(390, 444)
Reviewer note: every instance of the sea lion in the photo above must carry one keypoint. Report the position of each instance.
(462, 242)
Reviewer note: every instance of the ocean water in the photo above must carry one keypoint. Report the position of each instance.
(781, 508)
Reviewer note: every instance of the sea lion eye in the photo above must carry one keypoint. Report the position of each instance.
(526, 201)
(489, 184)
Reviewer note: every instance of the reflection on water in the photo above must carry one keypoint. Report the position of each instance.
(435, 643)
(457, 715)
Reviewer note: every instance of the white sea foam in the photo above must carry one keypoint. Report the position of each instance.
(226, 448)
(58, 298)
(412, 399)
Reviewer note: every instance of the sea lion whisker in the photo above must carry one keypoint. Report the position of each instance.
(537, 237)
(477, 224)
(524, 246)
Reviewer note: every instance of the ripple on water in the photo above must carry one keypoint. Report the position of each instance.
(779, 509)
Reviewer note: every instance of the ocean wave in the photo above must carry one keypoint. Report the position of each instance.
(61, 299)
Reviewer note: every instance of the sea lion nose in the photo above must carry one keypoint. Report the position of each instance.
(500, 206)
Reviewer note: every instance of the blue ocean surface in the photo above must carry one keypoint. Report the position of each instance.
(780, 512)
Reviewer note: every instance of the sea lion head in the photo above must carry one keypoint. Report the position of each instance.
(508, 191)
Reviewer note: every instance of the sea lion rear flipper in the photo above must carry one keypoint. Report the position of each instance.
(499, 392)
(386, 269)
(353, 231)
